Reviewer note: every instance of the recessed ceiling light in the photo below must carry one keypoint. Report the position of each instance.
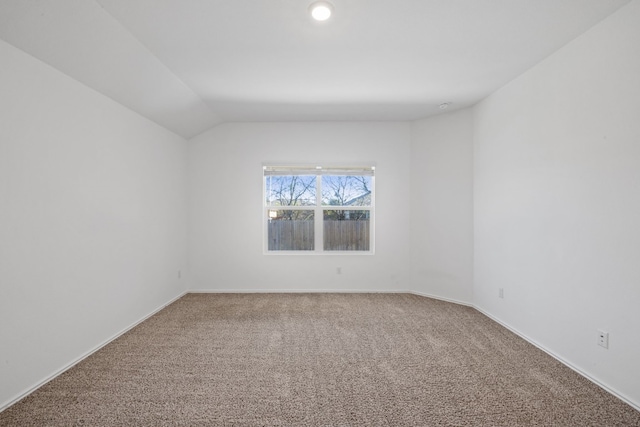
(321, 10)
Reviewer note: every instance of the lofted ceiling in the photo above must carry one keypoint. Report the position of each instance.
(189, 65)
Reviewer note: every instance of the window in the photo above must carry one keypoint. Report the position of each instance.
(318, 209)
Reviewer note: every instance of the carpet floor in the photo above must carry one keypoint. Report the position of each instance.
(319, 360)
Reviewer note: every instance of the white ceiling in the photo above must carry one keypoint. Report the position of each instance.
(191, 64)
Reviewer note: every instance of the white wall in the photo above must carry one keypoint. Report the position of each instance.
(92, 220)
(442, 206)
(225, 236)
(557, 202)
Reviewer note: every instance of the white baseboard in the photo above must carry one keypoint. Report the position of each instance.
(74, 362)
(568, 364)
(454, 301)
(292, 291)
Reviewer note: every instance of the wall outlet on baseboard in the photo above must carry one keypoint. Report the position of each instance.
(603, 338)
(501, 293)
(179, 274)
(338, 270)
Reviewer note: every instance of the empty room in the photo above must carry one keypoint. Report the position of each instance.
(320, 213)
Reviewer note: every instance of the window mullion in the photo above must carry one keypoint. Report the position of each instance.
(318, 216)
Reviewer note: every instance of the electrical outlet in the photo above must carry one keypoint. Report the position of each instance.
(179, 274)
(603, 338)
(338, 270)
(501, 293)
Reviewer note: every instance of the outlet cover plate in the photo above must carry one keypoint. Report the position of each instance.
(603, 338)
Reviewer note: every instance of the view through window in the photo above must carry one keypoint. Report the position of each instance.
(319, 209)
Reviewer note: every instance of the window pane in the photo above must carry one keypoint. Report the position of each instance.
(351, 190)
(290, 190)
(346, 230)
(290, 230)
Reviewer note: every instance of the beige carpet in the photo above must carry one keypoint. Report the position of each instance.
(319, 360)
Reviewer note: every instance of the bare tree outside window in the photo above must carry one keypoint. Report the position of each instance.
(338, 190)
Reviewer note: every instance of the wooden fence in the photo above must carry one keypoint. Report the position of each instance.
(338, 235)
(346, 235)
(291, 235)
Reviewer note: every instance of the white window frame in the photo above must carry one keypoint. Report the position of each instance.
(318, 208)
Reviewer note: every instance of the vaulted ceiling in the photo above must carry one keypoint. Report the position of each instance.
(189, 65)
